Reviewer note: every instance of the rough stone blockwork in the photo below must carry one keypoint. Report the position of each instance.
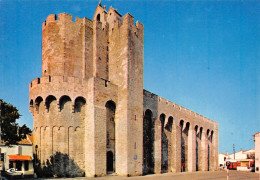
(91, 114)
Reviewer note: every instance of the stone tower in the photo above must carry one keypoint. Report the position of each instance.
(91, 114)
(88, 104)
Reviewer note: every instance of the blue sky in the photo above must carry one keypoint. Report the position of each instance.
(202, 55)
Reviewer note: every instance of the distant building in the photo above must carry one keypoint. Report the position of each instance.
(257, 152)
(222, 159)
(244, 159)
(18, 156)
(240, 155)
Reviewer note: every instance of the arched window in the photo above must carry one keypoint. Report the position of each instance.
(201, 129)
(187, 126)
(197, 146)
(196, 128)
(162, 119)
(111, 105)
(208, 132)
(168, 127)
(211, 136)
(164, 146)
(48, 101)
(31, 103)
(98, 17)
(148, 142)
(110, 127)
(63, 101)
(38, 103)
(181, 123)
(79, 103)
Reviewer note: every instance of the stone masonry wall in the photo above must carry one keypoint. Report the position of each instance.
(191, 125)
(91, 114)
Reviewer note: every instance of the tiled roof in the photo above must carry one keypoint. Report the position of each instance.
(224, 154)
(25, 142)
(28, 141)
(256, 134)
(30, 137)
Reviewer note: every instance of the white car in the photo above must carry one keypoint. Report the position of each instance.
(14, 172)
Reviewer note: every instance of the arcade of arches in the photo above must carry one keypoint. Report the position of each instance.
(176, 139)
(169, 144)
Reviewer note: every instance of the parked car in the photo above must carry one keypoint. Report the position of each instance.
(14, 172)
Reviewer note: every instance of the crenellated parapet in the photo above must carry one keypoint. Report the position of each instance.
(54, 79)
(81, 48)
(62, 18)
(48, 88)
(179, 113)
(57, 85)
(116, 21)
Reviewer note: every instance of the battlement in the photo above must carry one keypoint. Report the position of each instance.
(55, 80)
(176, 107)
(129, 20)
(62, 17)
(185, 110)
(113, 17)
(115, 20)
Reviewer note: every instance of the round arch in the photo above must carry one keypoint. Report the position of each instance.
(162, 118)
(187, 125)
(49, 99)
(98, 17)
(208, 131)
(79, 103)
(169, 124)
(38, 102)
(31, 103)
(181, 123)
(63, 100)
(196, 128)
(148, 142)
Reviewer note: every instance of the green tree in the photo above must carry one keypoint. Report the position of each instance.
(11, 132)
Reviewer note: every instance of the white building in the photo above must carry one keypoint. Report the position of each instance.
(222, 159)
(18, 156)
(257, 152)
(239, 156)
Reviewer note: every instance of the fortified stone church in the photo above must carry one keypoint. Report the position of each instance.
(90, 108)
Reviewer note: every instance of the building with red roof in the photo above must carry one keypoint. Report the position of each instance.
(19, 156)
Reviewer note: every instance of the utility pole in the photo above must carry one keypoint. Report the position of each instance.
(234, 151)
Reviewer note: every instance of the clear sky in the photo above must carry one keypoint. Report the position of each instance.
(202, 55)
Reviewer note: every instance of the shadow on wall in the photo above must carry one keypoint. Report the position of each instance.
(58, 165)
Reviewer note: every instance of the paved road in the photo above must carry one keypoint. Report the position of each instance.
(220, 175)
